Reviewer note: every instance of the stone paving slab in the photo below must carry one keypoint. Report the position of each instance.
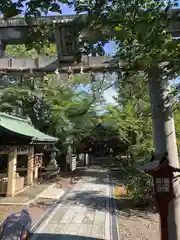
(84, 214)
(52, 193)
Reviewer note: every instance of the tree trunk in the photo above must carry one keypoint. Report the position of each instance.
(165, 140)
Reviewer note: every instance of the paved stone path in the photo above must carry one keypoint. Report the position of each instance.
(83, 214)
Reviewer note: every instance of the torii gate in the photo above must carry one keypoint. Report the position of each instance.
(15, 31)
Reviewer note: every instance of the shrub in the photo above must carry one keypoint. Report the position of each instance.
(140, 189)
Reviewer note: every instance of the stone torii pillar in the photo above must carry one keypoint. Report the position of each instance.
(2, 49)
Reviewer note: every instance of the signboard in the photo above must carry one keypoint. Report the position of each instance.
(73, 164)
(66, 43)
(38, 159)
(87, 159)
(67, 40)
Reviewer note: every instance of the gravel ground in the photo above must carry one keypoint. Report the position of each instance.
(138, 226)
(133, 224)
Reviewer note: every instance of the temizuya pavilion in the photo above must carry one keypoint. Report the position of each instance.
(19, 137)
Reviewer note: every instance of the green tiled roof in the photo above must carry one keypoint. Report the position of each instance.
(23, 127)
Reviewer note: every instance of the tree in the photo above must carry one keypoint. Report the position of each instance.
(61, 105)
(53, 108)
(58, 105)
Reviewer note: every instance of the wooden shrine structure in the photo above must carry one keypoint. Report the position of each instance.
(19, 137)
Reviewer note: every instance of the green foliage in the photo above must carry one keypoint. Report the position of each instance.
(140, 188)
(55, 106)
(48, 104)
(22, 51)
(132, 123)
(59, 105)
(138, 28)
(37, 36)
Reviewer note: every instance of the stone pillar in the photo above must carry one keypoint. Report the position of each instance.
(36, 166)
(2, 49)
(30, 167)
(84, 164)
(58, 43)
(87, 159)
(165, 140)
(12, 161)
(36, 172)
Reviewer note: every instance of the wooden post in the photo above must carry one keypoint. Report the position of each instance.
(12, 161)
(30, 167)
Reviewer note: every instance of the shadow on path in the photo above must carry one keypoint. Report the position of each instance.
(91, 199)
(94, 200)
(118, 177)
(47, 236)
